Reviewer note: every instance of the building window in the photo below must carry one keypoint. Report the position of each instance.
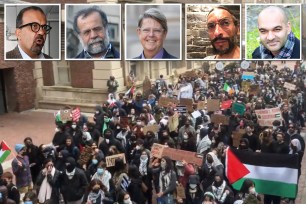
(61, 72)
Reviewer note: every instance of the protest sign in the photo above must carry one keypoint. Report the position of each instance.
(238, 108)
(245, 86)
(157, 150)
(165, 101)
(173, 122)
(237, 135)
(180, 191)
(213, 105)
(180, 109)
(201, 105)
(196, 114)
(179, 155)
(85, 155)
(153, 128)
(267, 116)
(66, 115)
(110, 160)
(290, 86)
(187, 102)
(226, 104)
(217, 119)
(254, 89)
(248, 76)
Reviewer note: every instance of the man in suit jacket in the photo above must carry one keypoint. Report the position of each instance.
(152, 31)
(91, 24)
(31, 32)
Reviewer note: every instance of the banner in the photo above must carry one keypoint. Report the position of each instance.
(248, 76)
(157, 150)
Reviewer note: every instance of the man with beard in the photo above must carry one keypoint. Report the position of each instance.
(31, 32)
(276, 37)
(91, 24)
(223, 28)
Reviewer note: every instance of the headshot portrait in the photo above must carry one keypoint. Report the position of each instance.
(213, 32)
(93, 32)
(32, 32)
(153, 32)
(273, 32)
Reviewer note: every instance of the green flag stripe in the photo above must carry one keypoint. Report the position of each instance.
(4, 156)
(271, 187)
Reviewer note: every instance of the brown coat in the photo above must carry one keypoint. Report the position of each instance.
(15, 54)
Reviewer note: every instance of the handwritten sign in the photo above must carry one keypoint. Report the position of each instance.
(213, 105)
(157, 150)
(245, 86)
(187, 102)
(85, 155)
(237, 135)
(153, 128)
(290, 86)
(238, 108)
(180, 191)
(110, 160)
(267, 116)
(66, 115)
(164, 101)
(201, 105)
(217, 119)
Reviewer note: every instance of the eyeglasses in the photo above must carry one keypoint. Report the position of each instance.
(95, 30)
(155, 31)
(35, 27)
(224, 23)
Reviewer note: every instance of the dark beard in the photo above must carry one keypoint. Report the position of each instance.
(231, 45)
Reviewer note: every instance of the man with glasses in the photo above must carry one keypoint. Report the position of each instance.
(152, 31)
(223, 29)
(31, 32)
(91, 24)
(276, 37)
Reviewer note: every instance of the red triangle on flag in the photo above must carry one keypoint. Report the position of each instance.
(235, 170)
(4, 146)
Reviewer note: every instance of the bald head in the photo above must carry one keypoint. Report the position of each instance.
(271, 11)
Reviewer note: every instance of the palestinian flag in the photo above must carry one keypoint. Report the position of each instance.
(130, 91)
(4, 151)
(273, 174)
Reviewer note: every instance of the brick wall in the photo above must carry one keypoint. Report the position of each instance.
(198, 43)
(81, 74)
(47, 72)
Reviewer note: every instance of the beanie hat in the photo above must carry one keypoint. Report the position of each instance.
(19, 147)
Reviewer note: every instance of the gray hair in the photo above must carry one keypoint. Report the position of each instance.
(155, 14)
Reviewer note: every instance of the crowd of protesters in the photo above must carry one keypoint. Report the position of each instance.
(74, 170)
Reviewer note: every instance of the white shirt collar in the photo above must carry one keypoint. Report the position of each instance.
(26, 56)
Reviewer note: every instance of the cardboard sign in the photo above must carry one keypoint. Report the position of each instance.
(187, 102)
(290, 86)
(238, 108)
(254, 89)
(180, 191)
(157, 150)
(66, 115)
(165, 101)
(226, 104)
(196, 114)
(201, 105)
(248, 76)
(245, 86)
(267, 116)
(110, 160)
(173, 122)
(179, 155)
(153, 128)
(213, 105)
(237, 135)
(217, 119)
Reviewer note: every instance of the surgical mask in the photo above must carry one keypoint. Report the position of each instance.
(185, 137)
(28, 202)
(97, 112)
(100, 171)
(56, 130)
(94, 161)
(128, 201)
(252, 190)
(138, 123)
(163, 165)
(107, 141)
(274, 127)
(118, 127)
(73, 126)
(137, 147)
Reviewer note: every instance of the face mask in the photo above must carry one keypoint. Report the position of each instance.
(118, 127)
(56, 130)
(252, 190)
(274, 127)
(96, 191)
(94, 161)
(73, 126)
(138, 123)
(143, 157)
(100, 171)
(107, 141)
(28, 202)
(163, 165)
(185, 137)
(137, 147)
(128, 201)
(97, 112)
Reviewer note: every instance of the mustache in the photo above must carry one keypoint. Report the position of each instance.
(40, 37)
(100, 40)
(219, 38)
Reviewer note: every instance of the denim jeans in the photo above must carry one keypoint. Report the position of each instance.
(165, 199)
